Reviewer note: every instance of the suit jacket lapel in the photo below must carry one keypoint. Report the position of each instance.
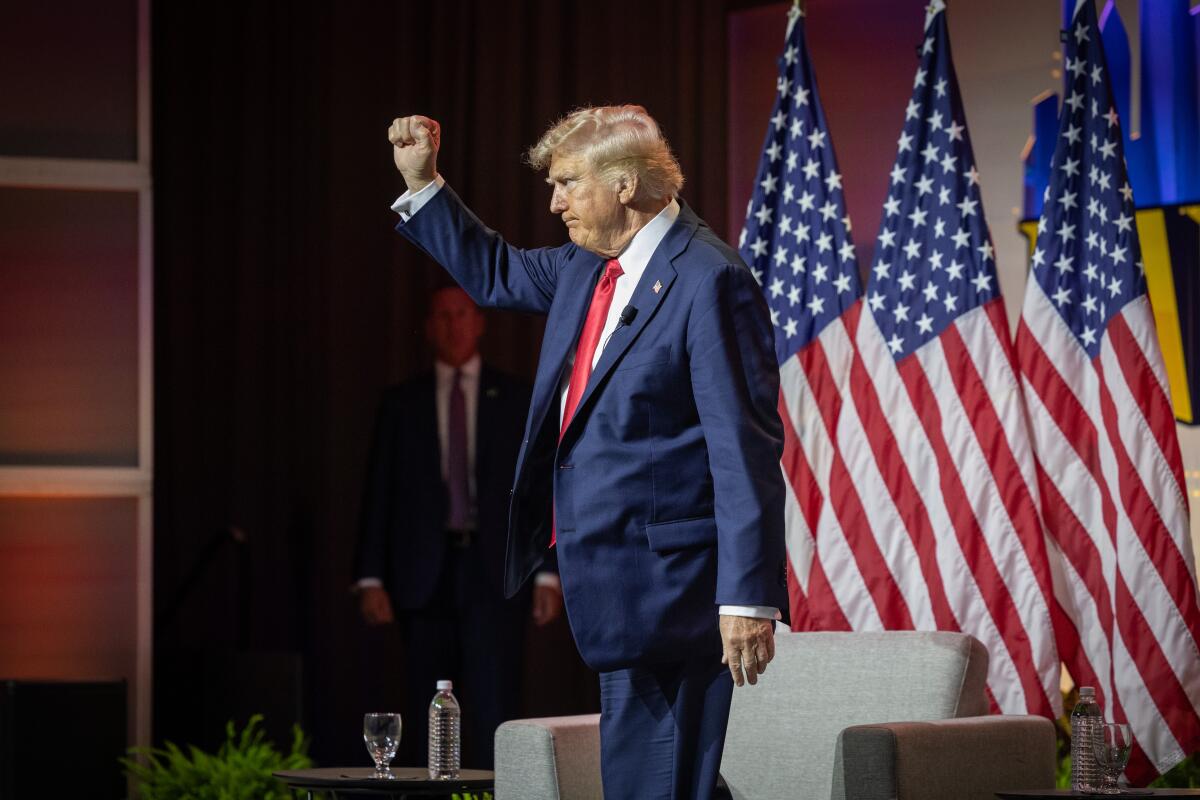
(576, 283)
(485, 425)
(428, 447)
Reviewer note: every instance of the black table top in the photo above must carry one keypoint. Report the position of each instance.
(409, 781)
(1047, 794)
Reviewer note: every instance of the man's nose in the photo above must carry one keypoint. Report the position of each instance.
(558, 203)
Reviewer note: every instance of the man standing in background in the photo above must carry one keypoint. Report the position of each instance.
(434, 517)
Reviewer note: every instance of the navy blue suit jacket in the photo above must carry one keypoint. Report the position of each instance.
(666, 484)
(402, 538)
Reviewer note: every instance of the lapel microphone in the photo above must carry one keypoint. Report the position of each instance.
(628, 315)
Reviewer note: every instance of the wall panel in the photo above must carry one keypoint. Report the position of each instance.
(69, 322)
(69, 79)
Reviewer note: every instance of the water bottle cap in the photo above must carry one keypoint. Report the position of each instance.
(1087, 691)
(445, 686)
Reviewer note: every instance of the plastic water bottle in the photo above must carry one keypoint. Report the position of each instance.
(445, 729)
(1086, 721)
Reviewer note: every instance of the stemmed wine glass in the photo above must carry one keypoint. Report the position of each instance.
(1111, 746)
(381, 732)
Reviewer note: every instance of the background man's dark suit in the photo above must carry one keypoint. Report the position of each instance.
(404, 507)
(446, 594)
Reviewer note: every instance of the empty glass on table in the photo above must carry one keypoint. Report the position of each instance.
(1112, 744)
(381, 732)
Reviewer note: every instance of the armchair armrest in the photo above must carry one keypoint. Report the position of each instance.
(552, 758)
(967, 758)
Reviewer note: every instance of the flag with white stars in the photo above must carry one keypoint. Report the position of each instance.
(797, 242)
(797, 235)
(936, 433)
(1111, 476)
(934, 260)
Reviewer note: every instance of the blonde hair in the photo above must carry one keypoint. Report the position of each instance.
(616, 142)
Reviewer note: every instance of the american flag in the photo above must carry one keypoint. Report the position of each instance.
(1109, 466)
(914, 486)
(940, 405)
(797, 242)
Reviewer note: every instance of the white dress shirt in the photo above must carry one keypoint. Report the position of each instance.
(634, 259)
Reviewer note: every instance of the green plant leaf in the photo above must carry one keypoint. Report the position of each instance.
(239, 770)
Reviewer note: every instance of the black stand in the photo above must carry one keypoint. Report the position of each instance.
(407, 782)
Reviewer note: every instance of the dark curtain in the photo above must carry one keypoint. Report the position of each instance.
(284, 302)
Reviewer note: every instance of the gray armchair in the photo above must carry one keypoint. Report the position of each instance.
(845, 716)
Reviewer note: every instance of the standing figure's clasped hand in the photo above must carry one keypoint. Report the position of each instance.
(749, 645)
(375, 605)
(415, 142)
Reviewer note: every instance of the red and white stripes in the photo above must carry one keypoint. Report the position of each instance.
(1115, 510)
(914, 496)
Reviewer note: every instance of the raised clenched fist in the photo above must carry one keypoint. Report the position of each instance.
(415, 141)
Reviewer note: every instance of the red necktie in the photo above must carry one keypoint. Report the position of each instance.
(585, 351)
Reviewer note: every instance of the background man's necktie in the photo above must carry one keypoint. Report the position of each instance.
(585, 351)
(459, 516)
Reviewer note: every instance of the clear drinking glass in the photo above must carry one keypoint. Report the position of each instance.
(1112, 744)
(381, 732)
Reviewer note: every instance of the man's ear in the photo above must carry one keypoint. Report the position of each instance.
(627, 188)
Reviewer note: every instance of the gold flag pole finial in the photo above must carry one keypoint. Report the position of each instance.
(794, 13)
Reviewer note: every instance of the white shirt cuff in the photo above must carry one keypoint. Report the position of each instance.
(547, 579)
(368, 583)
(408, 204)
(761, 612)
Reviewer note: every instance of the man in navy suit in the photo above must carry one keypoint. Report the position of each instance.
(650, 459)
(431, 548)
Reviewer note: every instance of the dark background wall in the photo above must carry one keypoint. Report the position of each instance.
(284, 302)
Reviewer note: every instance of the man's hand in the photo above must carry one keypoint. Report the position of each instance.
(375, 605)
(547, 604)
(749, 644)
(415, 142)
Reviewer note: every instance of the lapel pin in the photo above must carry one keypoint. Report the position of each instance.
(657, 286)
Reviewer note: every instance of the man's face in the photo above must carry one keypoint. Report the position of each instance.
(453, 326)
(591, 209)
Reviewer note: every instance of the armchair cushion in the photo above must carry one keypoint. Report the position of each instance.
(952, 759)
(552, 758)
(783, 733)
